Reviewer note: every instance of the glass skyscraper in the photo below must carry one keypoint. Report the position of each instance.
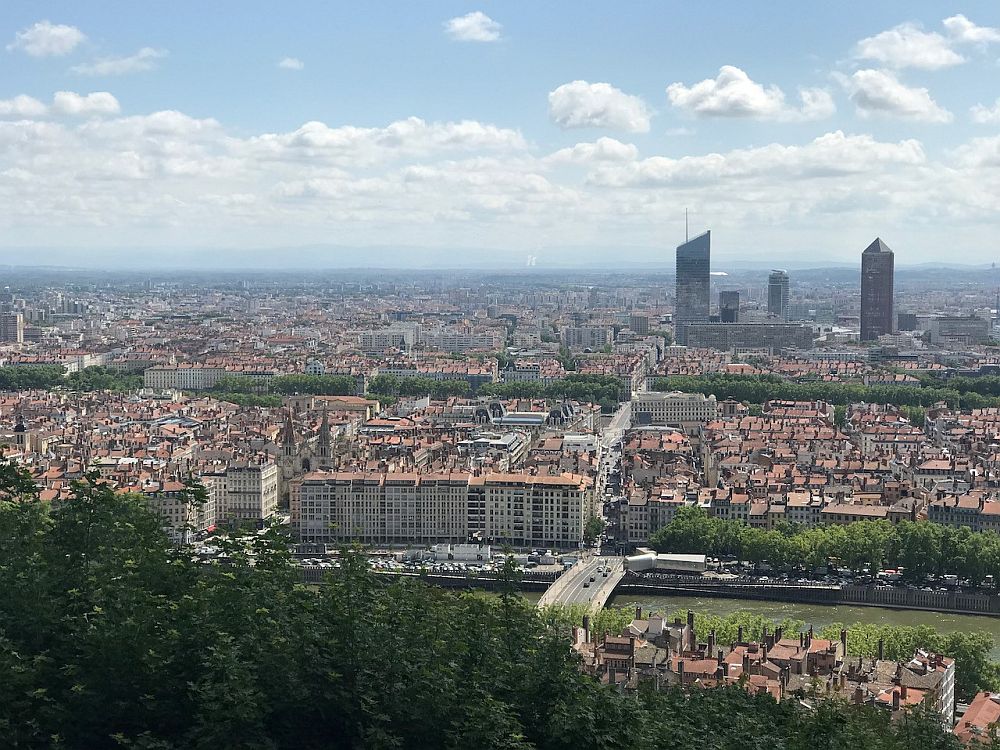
(693, 284)
(877, 268)
(777, 294)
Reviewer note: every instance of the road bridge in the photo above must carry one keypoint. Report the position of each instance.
(585, 583)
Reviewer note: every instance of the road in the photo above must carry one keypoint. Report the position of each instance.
(575, 586)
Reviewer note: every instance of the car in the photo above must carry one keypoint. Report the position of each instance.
(586, 584)
(592, 579)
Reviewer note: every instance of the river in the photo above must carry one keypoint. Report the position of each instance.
(817, 615)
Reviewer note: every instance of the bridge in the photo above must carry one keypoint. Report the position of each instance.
(585, 583)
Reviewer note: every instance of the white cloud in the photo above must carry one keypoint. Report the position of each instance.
(580, 104)
(71, 103)
(291, 63)
(831, 155)
(734, 94)
(880, 92)
(473, 27)
(986, 115)
(144, 59)
(963, 30)
(22, 106)
(602, 150)
(46, 39)
(125, 180)
(979, 152)
(908, 46)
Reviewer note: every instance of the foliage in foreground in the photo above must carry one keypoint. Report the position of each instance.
(111, 638)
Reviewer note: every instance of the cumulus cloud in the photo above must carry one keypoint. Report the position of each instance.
(961, 29)
(97, 103)
(880, 92)
(473, 27)
(291, 63)
(117, 180)
(144, 59)
(908, 46)
(46, 39)
(580, 104)
(22, 106)
(734, 94)
(986, 115)
(833, 154)
(602, 150)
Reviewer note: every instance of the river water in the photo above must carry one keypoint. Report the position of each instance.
(817, 615)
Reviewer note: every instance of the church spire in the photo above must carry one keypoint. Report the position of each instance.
(324, 434)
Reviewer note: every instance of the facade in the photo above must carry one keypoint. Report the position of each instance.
(958, 330)
(585, 337)
(729, 306)
(245, 492)
(182, 518)
(639, 324)
(371, 508)
(12, 328)
(694, 261)
(877, 268)
(743, 336)
(777, 294)
(673, 409)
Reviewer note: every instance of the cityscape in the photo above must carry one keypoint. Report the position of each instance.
(451, 432)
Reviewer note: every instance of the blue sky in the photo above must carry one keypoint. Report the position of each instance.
(499, 131)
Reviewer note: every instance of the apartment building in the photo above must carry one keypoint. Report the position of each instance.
(673, 409)
(519, 509)
(182, 518)
(585, 337)
(244, 492)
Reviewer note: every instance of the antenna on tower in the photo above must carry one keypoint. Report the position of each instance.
(685, 225)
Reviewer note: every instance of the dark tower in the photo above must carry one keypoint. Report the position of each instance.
(777, 294)
(693, 284)
(729, 306)
(288, 436)
(877, 266)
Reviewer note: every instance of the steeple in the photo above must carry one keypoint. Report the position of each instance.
(288, 435)
(324, 434)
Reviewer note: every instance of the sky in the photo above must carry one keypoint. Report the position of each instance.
(513, 134)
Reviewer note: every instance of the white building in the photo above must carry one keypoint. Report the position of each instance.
(182, 517)
(245, 492)
(518, 509)
(673, 409)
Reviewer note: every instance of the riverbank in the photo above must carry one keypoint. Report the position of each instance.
(818, 615)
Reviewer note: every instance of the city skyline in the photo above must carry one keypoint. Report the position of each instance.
(483, 135)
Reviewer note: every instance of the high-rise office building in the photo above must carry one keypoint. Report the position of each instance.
(729, 306)
(877, 264)
(12, 327)
(693, 284)
(777, 294)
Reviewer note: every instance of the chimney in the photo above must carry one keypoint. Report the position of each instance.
(895, 700)
(638, 613)
(739, 634)
(843, 640)
(902, 692)
(680, 670)
(843, 681)
(881, 649)
(586, 627)
(711, 642)
(777, 633)
(722, 657)
(746, 663)
(690, 619)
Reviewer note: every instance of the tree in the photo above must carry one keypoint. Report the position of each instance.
(593, 529)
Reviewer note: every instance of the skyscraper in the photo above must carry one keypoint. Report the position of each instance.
(877, 262)
(777, 294)
(729, 306)
(693, 282)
